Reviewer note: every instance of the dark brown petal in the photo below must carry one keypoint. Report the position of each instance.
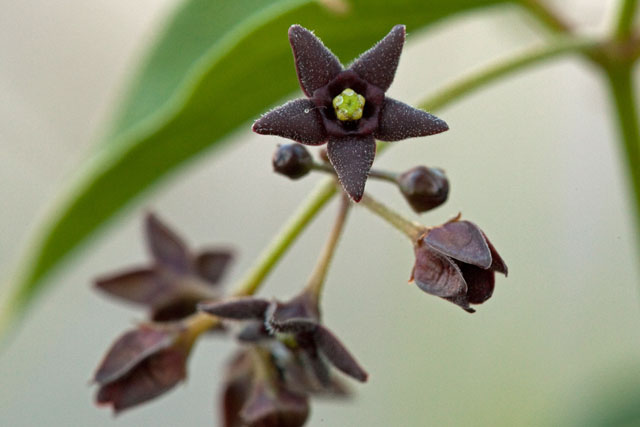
(176, 308)
(167, 247)
(318, 367)
(436, 274)
(378, 64)
(129, 350)
(150, 378)
(401, 121)
(497, 263)
(237, 388)
(275, 406)
(138, 286)
(337, 353)
(461, 240)
(211, 265)
(352, 158)
(315, 64)
(480, 283)
(292, 326)
(298, 120)
(239, 309)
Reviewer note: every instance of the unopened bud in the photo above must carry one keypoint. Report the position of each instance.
(292, 160)
(424, 188)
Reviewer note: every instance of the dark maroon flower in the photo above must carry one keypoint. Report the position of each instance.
(295, 323)
(292, 160)
(457, 262)
(256, 395)
(424, 188)
(347, 107)
(177, 280)
(141, 365)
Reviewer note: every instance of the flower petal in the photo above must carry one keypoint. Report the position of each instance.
(338, 354)
(401, 121)
(139, 286)
(352, 158)
(436, 274)
(315, 64)
(497, 264)
(238, 309)
(129, 350)
(212, 265)
(378, 64)
(292, 326)
(461, 240)
(298, 120)
(274, 405)
(480, 284)
(167, 247)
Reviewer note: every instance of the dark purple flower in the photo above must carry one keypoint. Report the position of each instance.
(347, 107)
(424, 188)
(176, 281)
(295, 323)
(457, 262)
(256, 395)
(141, 365)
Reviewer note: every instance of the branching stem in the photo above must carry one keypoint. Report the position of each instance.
(411, 229)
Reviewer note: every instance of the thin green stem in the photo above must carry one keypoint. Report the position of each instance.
(319, 273)
(620, 80)
(287, 235)
(499, 69)
(624, 22)
(411, 229)
(546, 16)
(373, 173)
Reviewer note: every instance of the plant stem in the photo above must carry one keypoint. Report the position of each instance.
(624, 22)
(411, 229)
(620, 78)
(281, 242)
(373, 173)
(546, 16)
(319, 273)
(492, 72)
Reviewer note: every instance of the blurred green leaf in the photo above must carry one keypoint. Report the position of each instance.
(216, 66)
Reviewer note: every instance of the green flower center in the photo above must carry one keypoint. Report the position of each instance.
(348, 105)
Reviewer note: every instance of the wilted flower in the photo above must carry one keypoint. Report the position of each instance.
(255, 393)
(347, 107)
(424, 188)
(457, 262)
(141, 365)
(295, 323)
(177, 280)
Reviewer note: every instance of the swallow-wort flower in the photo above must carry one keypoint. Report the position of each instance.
(176, 281)
(296, 323)
(347, 108)
(142, 364)
(457, 262)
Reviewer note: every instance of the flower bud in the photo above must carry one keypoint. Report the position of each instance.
(292, 160)
(424, 188)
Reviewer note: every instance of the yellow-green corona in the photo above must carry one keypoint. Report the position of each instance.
(348, 105)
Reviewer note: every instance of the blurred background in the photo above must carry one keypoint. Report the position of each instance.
(533, 160)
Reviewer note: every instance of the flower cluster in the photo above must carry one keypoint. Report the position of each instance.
(287, 355)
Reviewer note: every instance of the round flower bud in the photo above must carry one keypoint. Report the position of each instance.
(424, 188)
(292, 160)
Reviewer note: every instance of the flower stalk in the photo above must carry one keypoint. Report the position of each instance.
(411, 229)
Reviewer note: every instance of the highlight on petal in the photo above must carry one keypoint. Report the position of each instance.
(129, 350)
(166, 246)
(139, 286)
(436, 274)
(238, 309)
(400, 121)
(352, 158)
(378, 64)
(298, 120)
(211, 265)
(338, 354)
(461, 240)
(315, 64)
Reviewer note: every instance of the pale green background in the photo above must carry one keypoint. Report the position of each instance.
(532, 160)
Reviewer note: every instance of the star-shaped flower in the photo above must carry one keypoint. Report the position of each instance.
(176, 281)
(347, 107)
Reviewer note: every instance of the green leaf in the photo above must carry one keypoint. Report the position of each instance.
(209, 52)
